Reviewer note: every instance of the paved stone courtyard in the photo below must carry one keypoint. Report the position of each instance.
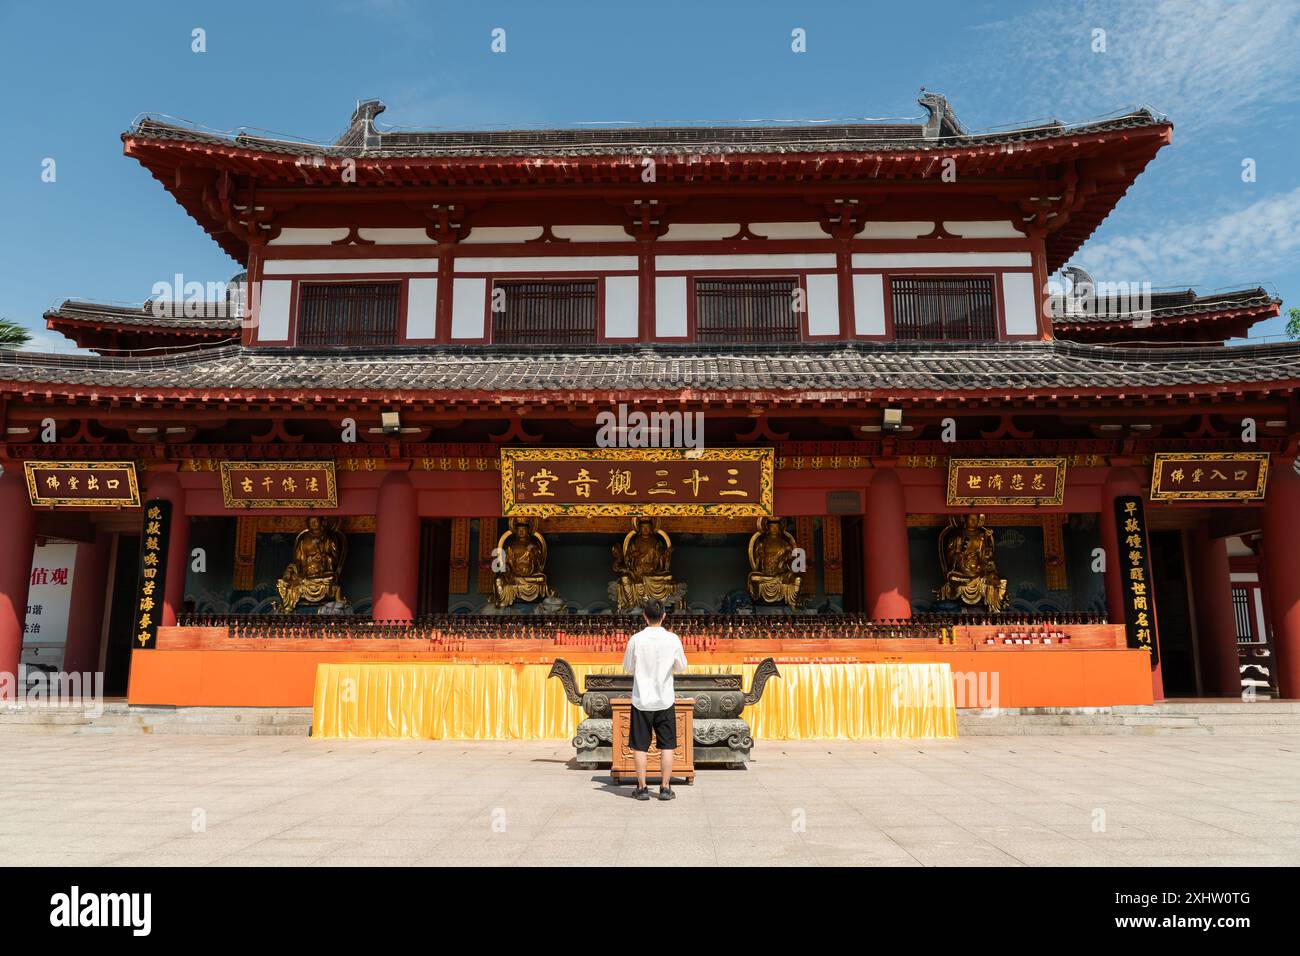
(1003, 801)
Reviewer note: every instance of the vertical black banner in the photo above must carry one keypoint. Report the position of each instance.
(153, 572)
(1135, 575)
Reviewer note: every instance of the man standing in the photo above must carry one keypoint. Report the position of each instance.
(653, 656)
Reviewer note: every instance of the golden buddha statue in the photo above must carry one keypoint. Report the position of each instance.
(970, 574)
(523, 553)
(771, 554)
(312, 577)
(643, 565)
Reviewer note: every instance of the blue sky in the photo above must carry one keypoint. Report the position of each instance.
(75, 75)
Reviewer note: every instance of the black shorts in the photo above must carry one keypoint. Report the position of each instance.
(662, 722)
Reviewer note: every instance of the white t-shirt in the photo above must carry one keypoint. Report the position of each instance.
(653, 656)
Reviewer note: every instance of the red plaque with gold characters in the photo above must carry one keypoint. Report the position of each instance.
(635, 481)
(279, 484)
(1209, 476)
(82, 484)
(1006, 481)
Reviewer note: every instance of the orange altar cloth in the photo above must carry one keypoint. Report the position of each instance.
(451, 701)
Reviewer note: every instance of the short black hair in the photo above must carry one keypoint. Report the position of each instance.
(653, 611)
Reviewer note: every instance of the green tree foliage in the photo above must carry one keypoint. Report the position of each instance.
(13, 335)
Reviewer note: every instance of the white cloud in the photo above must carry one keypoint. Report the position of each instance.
(1203, 62)
(1239, 247)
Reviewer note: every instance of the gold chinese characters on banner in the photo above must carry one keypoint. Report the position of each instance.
(152, 585)
(82, 484)
(1135, 575)
(279, 484)
(632, 481)
(1006, 481)
(1209, 476)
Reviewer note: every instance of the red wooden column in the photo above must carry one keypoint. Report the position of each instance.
(1216, 623)
(844, 285)
(165, 485)
(397, 550)
(1122, 481)
(86, 614)
(1282, 567)
(885, 555)
(19, 522)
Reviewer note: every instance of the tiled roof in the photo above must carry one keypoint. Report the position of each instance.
(363, 139)
(143, 316)
(801, 371)
(1173, 305)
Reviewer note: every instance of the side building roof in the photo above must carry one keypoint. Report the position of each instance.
(102, 327)
(1172, 317)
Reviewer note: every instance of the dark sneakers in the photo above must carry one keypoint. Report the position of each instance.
(641, 793)
(665, 793)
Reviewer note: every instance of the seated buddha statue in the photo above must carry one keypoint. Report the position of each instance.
(969, 572)
(771, 553)
(643, 565)
(523, 561)
(312, 577)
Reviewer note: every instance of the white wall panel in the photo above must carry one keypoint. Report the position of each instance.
(792, 261)
(468, 302)
(309, 237)
(924, 260)
(422, 309)
(670, 306)
(273, 310)
(548, 264)
(502, 234)
(984, 229)
(1020, 302)
(823, 305)
(621, 307)
(346, 266)
(869, 304)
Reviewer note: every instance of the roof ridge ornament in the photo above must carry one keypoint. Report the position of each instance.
(942, 122)
(361, 129)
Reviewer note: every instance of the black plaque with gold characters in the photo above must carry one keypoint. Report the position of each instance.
(724, 482)
(1135, 575)
(153, 571)
(82, 484)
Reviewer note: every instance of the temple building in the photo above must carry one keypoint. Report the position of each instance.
(478, 385)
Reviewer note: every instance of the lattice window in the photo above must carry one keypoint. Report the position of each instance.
(1245, 614)
(544, 312)
(348, 313)
(746, 310)
(943, 307)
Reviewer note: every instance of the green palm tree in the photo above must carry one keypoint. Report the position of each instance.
(13, 335)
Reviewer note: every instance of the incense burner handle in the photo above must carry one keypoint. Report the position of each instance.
(564, 671)
(764, 672)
